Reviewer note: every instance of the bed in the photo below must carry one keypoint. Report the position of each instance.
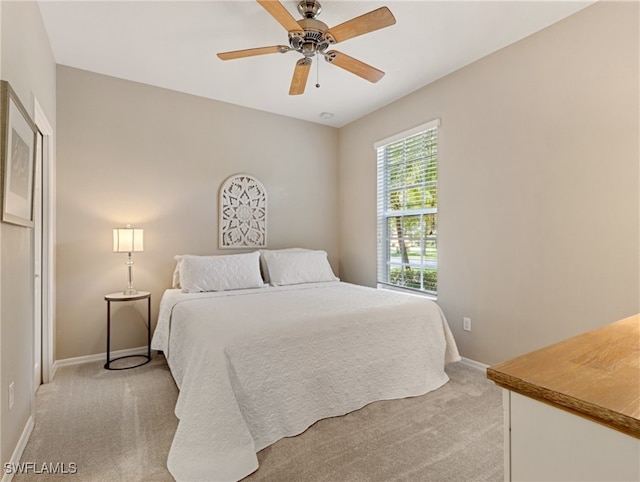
(256, 364)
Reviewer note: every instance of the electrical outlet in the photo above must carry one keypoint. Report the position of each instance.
(10, 395)
(466, 324)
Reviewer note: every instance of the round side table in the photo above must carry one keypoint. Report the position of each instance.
(116, 298)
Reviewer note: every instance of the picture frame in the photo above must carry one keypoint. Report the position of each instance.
(18, 135)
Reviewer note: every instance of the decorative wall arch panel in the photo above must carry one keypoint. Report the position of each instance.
(243, 213)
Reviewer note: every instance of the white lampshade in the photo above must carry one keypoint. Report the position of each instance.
(128, 240)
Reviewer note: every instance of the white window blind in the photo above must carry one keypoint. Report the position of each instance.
(408, 209)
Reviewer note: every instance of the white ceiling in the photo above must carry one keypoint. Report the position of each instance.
(172, 44)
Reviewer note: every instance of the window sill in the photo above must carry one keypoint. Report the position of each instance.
(407, 291)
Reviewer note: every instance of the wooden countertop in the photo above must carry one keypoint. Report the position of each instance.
(595, 375)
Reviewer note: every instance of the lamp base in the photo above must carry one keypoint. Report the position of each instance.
(130, 289)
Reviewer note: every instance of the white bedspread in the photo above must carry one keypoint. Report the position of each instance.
(257, 365)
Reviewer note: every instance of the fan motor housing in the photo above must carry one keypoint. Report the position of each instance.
(312, 41)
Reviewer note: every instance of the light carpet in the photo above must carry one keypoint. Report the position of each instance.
(118, 426)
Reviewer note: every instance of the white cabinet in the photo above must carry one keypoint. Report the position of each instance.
(550, 444)
(572, 409)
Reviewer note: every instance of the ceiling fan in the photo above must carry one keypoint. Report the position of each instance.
(310, 37)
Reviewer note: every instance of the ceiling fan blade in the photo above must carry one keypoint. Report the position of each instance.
(300, 76)
(354, 66)
(374, 20)
(238, 54)
(281, 14)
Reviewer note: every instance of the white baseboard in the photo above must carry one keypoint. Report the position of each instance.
(140, 350)
(17, 453)
(474, 364)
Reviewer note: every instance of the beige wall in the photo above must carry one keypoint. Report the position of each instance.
(131, 153)
(27, 63)
(539, 185)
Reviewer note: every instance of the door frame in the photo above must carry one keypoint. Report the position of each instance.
(37, 263)
(48, 241)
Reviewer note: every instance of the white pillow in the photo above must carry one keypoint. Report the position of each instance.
(263, 261)
(176, 272)
(220, 273)
(289, 267)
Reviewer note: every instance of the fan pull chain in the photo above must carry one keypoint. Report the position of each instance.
(318, 74)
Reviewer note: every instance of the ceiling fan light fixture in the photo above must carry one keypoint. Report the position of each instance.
(295, 42)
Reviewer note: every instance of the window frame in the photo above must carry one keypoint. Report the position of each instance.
(383, 214)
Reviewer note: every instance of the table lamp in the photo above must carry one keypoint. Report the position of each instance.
(128, 240)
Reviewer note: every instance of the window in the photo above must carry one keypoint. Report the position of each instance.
(408, 209)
